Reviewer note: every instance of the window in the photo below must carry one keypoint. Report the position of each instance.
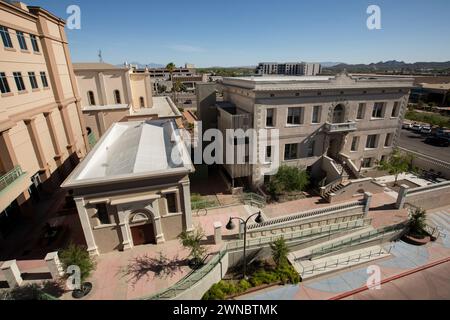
(371, 141)
(5, 37)
(367, 162)
(34, 43)
(268, 153)
(311, 147)
(361, 111)
(19, 81)
(91, 98)
(142, 102)
(316, 114)
(44, 80)
(290, 151)
(378, 109)
(269, 117)
(388, 141)
(21, 39)
(395, 110)
(33, 82)
(171, 202)
(4, 86)
(117, 97)
(294, 115)
(102, 213)
(355, 143)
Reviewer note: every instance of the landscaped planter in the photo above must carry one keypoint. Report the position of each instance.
(416, 241)
(254, 289)
(86, 288)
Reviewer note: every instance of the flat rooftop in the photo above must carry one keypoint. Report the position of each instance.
(131, 150)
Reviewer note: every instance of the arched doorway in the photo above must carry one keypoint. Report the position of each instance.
(142, 228)
(339, 114)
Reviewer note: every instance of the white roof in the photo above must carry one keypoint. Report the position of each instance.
(134, 148)
(162, 106)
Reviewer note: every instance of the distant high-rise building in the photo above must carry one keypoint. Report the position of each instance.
(289, 68)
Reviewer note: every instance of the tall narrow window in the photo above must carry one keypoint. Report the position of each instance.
(44, 79)
(395, 110)
(378, 109)
(371, 141)
(117, 97)
(294, 116)
(21, 39)
(19, 81)
(4, 86)
(290, 151)
(91, 98)
(171, 202)
(361, 111)
(142, 102)
(388, 141)
(269, 118)
(34, 43)
(316, 114)
(6, 38)
(33, 81)
(311, 147)
(367, 162)
(102, 213)
(268, 153)
(355, 142)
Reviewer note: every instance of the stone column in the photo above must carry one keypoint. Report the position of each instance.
(37, 146)
(54, 265)
(401, 196)
(367, 200)
(7, 154)
(55, 142)
(148, 91)
(86, 225)
(67, 128)
(102, 84)
(127, 243)
(187, 205)
(100, 120)
(154, 208)
(217, 232)
(12, 273)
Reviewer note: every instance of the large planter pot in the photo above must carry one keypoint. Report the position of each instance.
(415, 240)
(86, 288)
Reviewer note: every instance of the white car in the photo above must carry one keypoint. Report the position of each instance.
(416, 127)
(407, 125)
(425, 130)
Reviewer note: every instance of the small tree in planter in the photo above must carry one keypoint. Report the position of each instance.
(78, 256)
(279, 252)
(192, 241)
(396, 164)
(417, 223)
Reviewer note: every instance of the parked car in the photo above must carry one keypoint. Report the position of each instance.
(407, 125)
(416, 127)
(440, 141)
(425, 130)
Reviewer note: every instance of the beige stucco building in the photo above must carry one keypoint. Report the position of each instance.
(111, 94)
(133, 187)
(41, 130)
(329, 125)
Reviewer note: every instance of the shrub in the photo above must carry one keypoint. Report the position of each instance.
(192, 241)
(214, 293)
(279, 251)
(78, 256)
(417, 222)
(288, 179)
(244, 285)
(287, 274)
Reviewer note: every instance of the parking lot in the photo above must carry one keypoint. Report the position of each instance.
(416, 142)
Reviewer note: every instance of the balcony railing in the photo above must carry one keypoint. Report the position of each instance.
(340, 127)
(11, 176)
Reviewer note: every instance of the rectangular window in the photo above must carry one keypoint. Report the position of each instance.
(378, 109)
(311, 147)
(19, 81)
(367, 162)
(268, 153)
(355, 143)
(102, 213)
(6, 37)
(290, 151)
(33, 80)
(34, 43)
(316, 114)
(171, 202)
(269, 118)
(21, 39)
(44, 79)
(294, 115)
(388, 141)
(395, 110)
(371, 141)
(361, 111)
(4, 86)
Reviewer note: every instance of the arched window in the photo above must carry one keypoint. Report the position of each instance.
(339, 114)
(142, 102)
(117, 97)
(91, 98)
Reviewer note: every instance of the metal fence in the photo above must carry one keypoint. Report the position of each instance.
(11, 176)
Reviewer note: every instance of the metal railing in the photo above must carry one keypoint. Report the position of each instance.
(334, 263)
(254, 199)
(340, 127)
(11, 176)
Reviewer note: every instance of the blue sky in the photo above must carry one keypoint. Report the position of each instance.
(244, 32)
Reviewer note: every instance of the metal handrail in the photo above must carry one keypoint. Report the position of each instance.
(11, 176)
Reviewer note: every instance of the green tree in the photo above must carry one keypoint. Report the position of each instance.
(288, 179)
(279, 251)
(192, 241)
(396, 164)
(78, 256)
(417, 221)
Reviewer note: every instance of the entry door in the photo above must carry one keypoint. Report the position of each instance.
(143, 234)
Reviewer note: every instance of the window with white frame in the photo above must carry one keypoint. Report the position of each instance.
(316, 114)
(378, 110)
(371, 141)
(269, 117)
(291, 151)
(361, 111)
(295, 116)
(6, 38)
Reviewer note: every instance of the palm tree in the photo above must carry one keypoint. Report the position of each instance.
(171, 67)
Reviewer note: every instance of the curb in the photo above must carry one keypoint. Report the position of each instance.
(398, 276)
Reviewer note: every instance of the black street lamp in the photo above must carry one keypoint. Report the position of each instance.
(231, 226)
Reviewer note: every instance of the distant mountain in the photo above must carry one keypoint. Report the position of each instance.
(329, 64)
(392, 66)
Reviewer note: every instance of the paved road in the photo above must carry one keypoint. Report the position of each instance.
(415, 142)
